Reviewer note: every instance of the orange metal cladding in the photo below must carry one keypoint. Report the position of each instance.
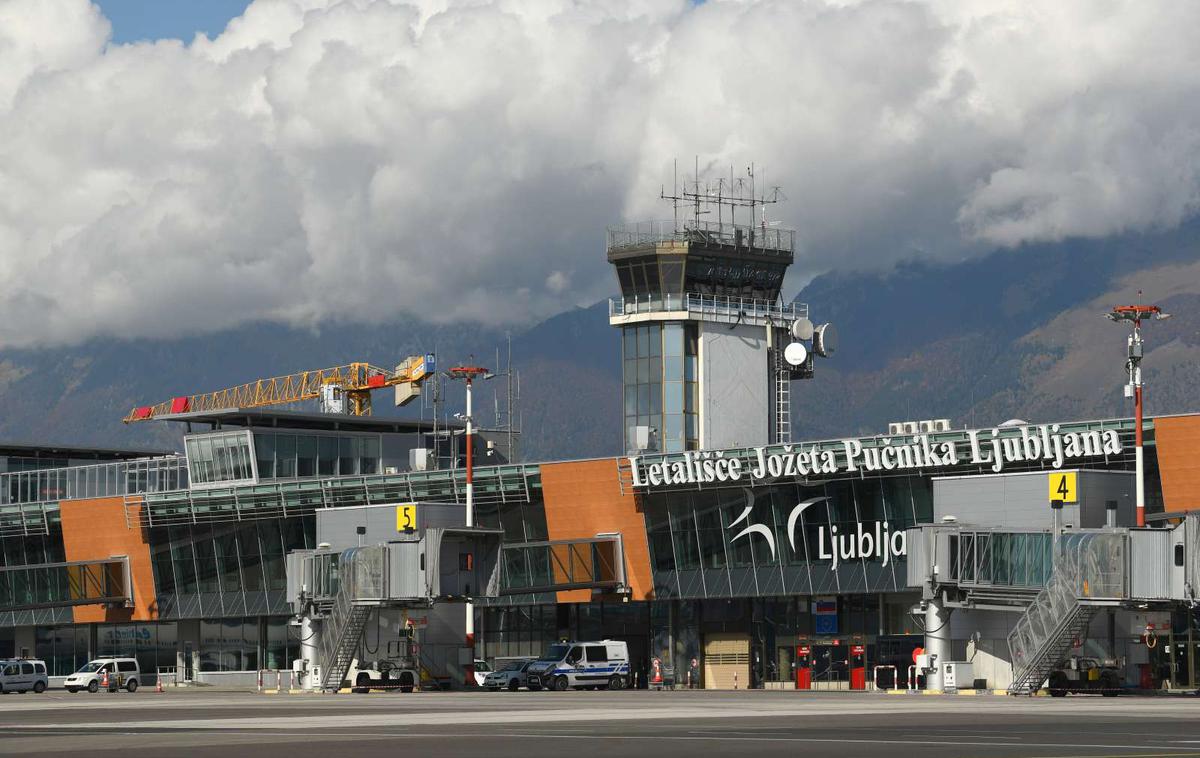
(356, 379)
(97, 529)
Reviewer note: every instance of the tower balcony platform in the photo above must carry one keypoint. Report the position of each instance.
(713, 308)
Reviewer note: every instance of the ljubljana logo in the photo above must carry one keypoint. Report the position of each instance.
(765, 531)
(875, 542)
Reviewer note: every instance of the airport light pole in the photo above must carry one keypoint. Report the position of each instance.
(1133, 366)
(469, 374)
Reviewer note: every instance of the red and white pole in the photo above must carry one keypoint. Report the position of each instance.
(469, 373)
(470, 607)
(1138, 460)
(1133, 364)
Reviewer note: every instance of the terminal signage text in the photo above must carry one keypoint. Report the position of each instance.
(1044, 443)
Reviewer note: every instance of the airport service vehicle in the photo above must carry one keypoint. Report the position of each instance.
(22, 675)
(1086, 675)
(384, 674)
(509, 675)
(122, 672)
(581, 665)
(481, 669)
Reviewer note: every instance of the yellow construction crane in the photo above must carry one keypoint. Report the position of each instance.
(341, 387)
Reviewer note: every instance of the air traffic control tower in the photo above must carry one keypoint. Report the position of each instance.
(709, 350)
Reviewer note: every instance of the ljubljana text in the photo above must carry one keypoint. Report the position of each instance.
(1043, 443)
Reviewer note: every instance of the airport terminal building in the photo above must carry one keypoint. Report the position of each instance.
(746, 557)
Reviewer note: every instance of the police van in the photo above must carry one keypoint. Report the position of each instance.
(581, 665)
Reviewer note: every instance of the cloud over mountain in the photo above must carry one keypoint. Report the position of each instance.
(349, 160)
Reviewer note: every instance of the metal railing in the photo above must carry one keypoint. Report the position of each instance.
(297, 497)
(722, 307)
(158, 474)
(767, 240)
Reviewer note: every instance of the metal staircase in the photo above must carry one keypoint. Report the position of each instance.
(339, 641)
(1089, 572)
(1045, 634)
(362, 586)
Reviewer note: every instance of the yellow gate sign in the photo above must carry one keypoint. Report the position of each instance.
(1062, 487)
(406, 517)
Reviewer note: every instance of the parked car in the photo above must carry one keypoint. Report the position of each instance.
(122, 672)
(23, 675)
(508, 676)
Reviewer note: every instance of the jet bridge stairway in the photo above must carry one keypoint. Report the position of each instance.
(1091, 571)
(1045, 634)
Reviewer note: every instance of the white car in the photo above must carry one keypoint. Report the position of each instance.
(122, 672)
(510, 676)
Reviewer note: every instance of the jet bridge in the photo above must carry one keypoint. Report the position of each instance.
(1057, 580)
(409, 556)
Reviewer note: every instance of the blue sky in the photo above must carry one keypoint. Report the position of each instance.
(134, 20)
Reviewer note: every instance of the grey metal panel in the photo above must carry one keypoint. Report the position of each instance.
(734, 386)
(431, 547)
(918, 561)
(1178, 572)
(1150, 564)
(407, 579)
(1191, 551)
(1097, 488)
(1021, 500)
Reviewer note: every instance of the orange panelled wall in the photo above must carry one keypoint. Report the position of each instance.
(95, 529)
(583, 499)
(1178, 444)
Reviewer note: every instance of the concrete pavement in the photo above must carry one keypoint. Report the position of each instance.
(662, 724)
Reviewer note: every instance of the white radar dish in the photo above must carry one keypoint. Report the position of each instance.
(795, 354)
(802, 329)
(825, 340)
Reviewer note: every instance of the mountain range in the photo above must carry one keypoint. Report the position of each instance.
(1014, 333)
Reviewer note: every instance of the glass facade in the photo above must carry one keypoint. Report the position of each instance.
(64, 648)
(220, 458)
(660, 385)
(695, 551)
(286, 456)
(226, 569)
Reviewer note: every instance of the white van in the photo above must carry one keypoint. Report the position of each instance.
(122, 672)
(590, 665)
(22, 676)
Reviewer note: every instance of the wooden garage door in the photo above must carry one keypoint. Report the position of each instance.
(726, 656)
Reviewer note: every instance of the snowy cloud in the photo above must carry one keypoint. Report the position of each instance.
(353, 160)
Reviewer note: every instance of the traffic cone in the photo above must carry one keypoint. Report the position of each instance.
(104, 679)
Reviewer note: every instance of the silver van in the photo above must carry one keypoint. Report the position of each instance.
(122, 672)
(22, 676)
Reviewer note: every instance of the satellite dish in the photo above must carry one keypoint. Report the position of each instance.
(825, 340)
(802, 329)
(795, 354)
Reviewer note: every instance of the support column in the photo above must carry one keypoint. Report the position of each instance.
(937, 640)
(310, 639)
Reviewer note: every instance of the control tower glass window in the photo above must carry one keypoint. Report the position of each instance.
(660, 387)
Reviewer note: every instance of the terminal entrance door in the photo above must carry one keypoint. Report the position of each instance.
(830, 669)
(726, 661)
